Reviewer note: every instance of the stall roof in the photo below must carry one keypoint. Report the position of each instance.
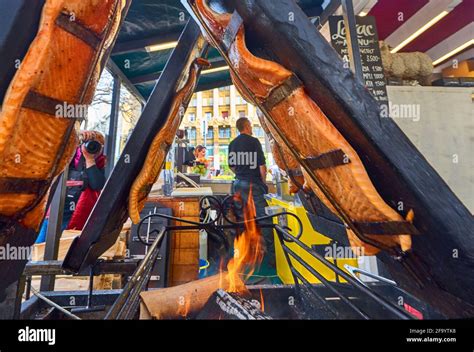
(154, 22)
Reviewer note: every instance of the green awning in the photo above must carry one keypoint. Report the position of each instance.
(152, 22)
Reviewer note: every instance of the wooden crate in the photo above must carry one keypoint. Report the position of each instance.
(184, 244)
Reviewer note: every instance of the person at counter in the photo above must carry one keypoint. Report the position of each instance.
(198, 164)
(201, 163)
(247, 162)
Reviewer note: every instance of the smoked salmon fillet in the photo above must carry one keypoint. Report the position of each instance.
(162, 143)
(61, 68)
(282, 156)
(310, 132)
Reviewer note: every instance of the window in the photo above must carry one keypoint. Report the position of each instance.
(239, 100)
(98, 114)
(209, 151)
(208, 116)
(192, 117)
(225, 114)
(130, 111)
(241, 113)
(224, 132)
(224, 88)
(191, 132)
(224, 101)
(222, 156)
(258, 131)
(207, 101)
(210, 133)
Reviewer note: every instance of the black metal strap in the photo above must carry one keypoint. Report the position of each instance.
(294, 172)
(388, 228)
(50, 106)
(282, 92)
(22, 185)
(77, 29)
(329, 159)
(38, 102)
(231, 30)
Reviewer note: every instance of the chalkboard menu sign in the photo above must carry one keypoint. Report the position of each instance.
(372, 68)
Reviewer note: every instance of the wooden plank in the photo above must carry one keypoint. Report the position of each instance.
(182, 206)
(18, 28)
(186, 239)
(184, 247)
(442, 256)
(117, 250)
(110, 211)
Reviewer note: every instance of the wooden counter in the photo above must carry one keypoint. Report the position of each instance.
(184, 244)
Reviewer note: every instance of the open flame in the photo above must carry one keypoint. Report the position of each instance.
(248, 249)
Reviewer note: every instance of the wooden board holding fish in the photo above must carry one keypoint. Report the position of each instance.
(61, 68)
(141, 159)
(311, 135)
(162, 142)
(362, 168)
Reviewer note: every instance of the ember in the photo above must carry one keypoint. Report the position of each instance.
(225, 305)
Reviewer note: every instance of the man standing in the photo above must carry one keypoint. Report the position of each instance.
(247, 161)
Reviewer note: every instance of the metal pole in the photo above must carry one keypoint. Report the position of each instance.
(117, 72)
(361, 287)
(140, 275)
(21, 283)
(350, 26)
(328, 11)
(113, 126)
(55, 305)
(54, 230)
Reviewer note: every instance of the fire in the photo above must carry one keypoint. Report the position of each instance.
(248, 250)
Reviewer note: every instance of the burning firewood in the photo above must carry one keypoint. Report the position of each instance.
(225, 305)
(180, 301)
(187, 299)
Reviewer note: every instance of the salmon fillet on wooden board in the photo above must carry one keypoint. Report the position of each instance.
(61, 68)
(282, 156)
(311, 134)
(284, 159)
(162, 142)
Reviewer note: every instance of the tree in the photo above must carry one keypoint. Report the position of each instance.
(99, 111)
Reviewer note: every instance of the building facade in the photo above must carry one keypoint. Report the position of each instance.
(210, 121)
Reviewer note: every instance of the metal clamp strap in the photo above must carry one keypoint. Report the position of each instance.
(231, 31)
(22, 185)
(77, 29)
(387, 228)
(329, 159)
(282, 92)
